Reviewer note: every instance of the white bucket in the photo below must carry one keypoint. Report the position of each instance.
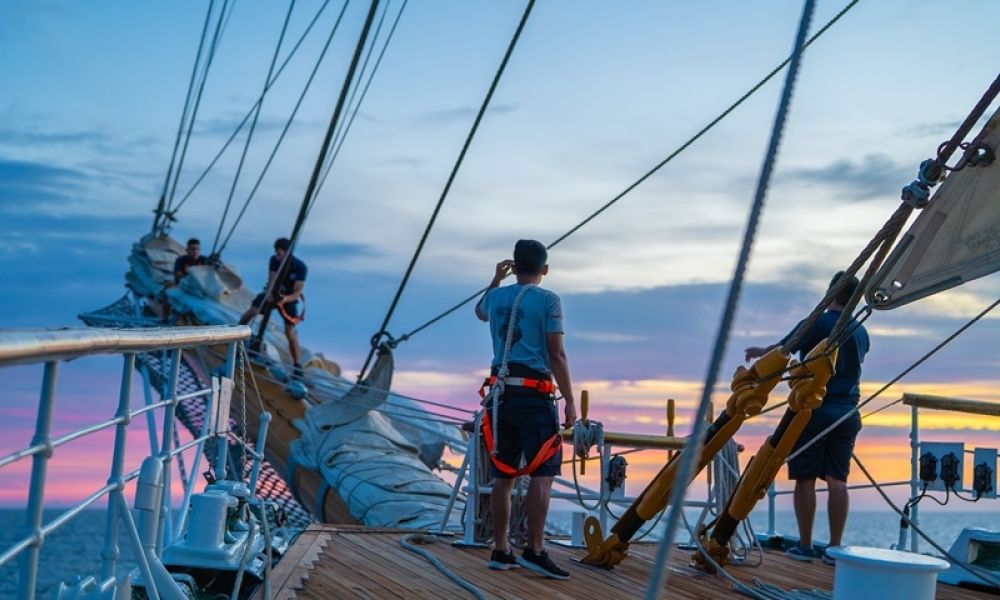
(878, 574)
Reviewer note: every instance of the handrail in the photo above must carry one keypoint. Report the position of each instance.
(20, 346)
(973, 407)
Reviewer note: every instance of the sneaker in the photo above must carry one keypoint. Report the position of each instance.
(800, 554)
(503, 561)
(827, 559)
(541, 563)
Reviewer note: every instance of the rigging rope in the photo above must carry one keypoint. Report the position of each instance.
(408, 542)
(692, 450)
(338, 143)
(247, 116)
(284, 130)
(184, 114)
(586, 436)
(711, 124)
(286, 262)
(894, 380)
(216, 38)
(447, 186)
(253, 126)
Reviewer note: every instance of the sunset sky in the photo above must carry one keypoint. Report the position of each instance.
(595, 94)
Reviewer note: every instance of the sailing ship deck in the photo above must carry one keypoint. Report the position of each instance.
(333, 561)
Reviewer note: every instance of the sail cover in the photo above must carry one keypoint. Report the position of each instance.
(954, 240)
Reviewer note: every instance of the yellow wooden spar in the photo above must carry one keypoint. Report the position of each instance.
(808, 383)
(750, 389)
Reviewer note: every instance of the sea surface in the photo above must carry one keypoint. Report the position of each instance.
(75, 550)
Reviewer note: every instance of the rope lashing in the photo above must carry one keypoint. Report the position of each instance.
(451, 177)
(586, 434)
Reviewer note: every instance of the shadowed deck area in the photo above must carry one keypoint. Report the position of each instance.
(330, 561)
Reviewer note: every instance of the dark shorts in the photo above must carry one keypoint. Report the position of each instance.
(526, 422)
(831, 455)
(291, 309)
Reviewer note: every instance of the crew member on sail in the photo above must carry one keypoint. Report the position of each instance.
(286, 295)
(192, 256)
(830, 457)
(527, 422)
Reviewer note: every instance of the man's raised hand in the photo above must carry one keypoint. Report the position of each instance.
(503, 270)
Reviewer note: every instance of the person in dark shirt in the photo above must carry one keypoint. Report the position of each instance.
(191, 257)
(830, 457)
(286, 295)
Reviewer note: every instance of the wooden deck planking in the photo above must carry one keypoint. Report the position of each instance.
(353, 562)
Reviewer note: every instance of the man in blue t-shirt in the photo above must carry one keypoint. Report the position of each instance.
(528, 417)
(829, 458)
(285, 294)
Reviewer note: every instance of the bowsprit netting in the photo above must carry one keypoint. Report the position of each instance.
(191, 412)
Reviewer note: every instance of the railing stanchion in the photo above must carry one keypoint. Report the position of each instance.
(455, 490)
(914, 473)
(605, 488)
(147, 395)
(182, 513)
(36, 491)
(110, 553)
(259, 445)
(165, 534)
(471, 493)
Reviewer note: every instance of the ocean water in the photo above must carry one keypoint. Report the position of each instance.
(75, 550)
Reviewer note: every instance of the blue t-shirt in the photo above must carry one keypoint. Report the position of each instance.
(538, 314)
(296, 272)
(845, 385)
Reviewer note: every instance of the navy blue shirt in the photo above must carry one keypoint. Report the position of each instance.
(296, 272)
(845, 385)
(183, 262)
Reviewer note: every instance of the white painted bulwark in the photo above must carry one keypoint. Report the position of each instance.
(877, 574)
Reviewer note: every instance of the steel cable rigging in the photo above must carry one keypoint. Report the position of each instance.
(447, 187)
(286, 263)
(253, 126)
(246, 117)
(709, 126)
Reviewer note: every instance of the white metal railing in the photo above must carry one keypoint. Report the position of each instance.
(467, 475)
(50, 347)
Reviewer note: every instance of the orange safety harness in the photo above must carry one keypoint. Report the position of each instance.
(498, 384)
(290, 319)
(543, 386)
(546, 452)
